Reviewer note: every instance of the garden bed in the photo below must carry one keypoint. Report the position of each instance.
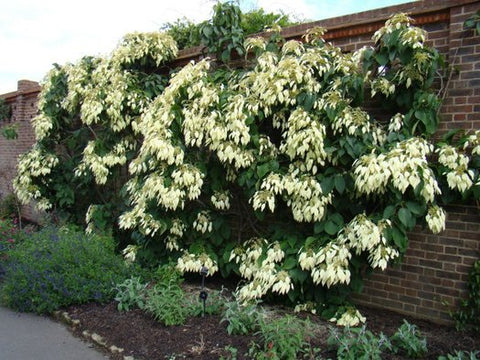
(205, 338)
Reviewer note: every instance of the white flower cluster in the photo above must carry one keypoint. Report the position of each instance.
(330, 264)
(255, 42)
(203, 223)
(304, 139)
(195, 262)
(130, 253)
(303, 194)
(42, 124)
(100, 165)
(306, 307)
(436, 219)
(266, 147)
(396, 22)
(34, 164)
(279, 79)
(396, 123)
(221, 200)
(363, 235)
(158, 46)
(189, 178)
(404, 166)
(459, 177)
(474, 141)
(263, 275)
(89, 216)
(355, 121)
(177, 228)
(176, 231)
(350, 317)
(383, 86)
(78, 81)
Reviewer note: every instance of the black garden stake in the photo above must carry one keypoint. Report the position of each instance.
(203, 293)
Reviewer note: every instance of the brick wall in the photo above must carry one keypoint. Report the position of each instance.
(435, 267)
(23, 103)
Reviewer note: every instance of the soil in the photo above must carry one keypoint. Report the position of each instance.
(141, 337)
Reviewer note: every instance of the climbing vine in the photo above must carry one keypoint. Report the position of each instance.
(275, 171)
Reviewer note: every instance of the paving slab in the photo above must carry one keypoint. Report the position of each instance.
(32, 337)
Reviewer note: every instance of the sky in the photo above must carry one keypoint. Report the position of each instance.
(36, 34)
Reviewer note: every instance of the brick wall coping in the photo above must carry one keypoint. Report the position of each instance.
(24, 87)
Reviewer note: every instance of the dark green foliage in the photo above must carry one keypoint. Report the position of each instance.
(58, 267)
(473, 22)
(286, 337)
(223, 34)
(241, 319)
(258, 20)
(165, 302)
(188, 34)
(468, 317)
(184, 32)
(5, 110)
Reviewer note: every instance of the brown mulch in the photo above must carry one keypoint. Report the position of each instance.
(205, 338)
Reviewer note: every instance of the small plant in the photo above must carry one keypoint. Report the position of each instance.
(130, 293)
(166, 302)
(409, 340)
(10, 207)
(358, 343)
(473, 22)
(241, 319)
(461, 355)
(468, 317)
(232, 353)
(58, 267)
(282, 338)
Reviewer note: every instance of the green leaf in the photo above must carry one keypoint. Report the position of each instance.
(327, 184)
(382, 59)
(340, 183)
(262, 170)
(298, 275)
(405, 217)
(331, 228)
(388, 212)
(309, 241)
(207, 31)
(415, 208)
(399, 238)
(289, 263)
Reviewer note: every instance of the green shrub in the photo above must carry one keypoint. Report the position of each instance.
(130, 293)
(358, 343)
(166, 302)
(57, 267)
(282, 338)
(241, 319)
(409, 340)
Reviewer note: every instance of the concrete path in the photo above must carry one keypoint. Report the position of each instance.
(31, 337)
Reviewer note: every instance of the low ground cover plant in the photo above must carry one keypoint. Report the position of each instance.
(56, 267)
(164, 298)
